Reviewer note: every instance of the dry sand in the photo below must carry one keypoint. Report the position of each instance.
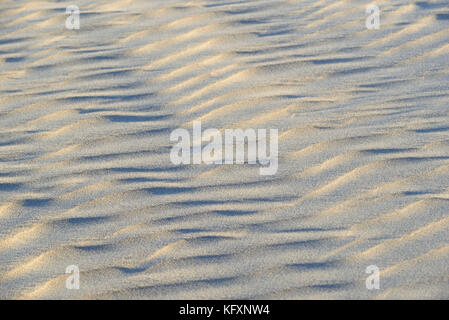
(86, 179)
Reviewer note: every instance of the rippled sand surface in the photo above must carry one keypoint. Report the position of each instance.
(86, 178)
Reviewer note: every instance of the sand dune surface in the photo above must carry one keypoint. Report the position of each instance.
(85, 171)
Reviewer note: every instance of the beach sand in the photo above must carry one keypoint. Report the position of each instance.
(85, 171)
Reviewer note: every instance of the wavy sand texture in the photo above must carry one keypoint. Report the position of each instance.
(85, 176)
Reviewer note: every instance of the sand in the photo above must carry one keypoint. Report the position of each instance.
(86, 179)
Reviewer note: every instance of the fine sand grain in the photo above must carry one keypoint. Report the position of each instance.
(86, 177)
